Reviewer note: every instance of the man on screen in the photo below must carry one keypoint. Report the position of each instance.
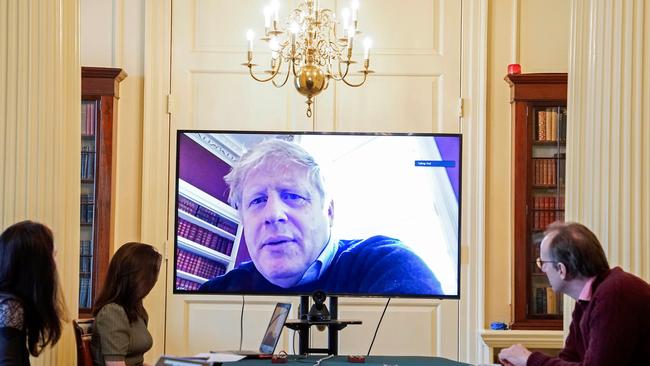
(279, 192)
(610, 323)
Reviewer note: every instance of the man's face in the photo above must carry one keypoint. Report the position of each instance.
(286, 223)
(555, 278)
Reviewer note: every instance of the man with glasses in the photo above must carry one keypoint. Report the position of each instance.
(611, 320)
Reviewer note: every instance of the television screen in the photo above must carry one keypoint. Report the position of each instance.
(351, 214)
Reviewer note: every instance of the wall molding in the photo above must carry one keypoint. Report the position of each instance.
(473, 128)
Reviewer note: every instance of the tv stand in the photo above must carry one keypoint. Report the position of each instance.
(333, 325)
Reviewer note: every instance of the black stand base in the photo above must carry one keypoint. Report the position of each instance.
(333, 325)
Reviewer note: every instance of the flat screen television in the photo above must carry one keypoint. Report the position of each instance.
(351, 214)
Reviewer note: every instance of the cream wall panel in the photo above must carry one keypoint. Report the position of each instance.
(399, 30)
(415, 41)
(39, 104)
(97, 22)
(543, 35)
(393, 104)
(210, 95)
(437, 334)
(228, 34)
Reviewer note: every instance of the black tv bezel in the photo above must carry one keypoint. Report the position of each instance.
(179, 132)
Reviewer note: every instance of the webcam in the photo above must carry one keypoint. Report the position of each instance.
(318, 311)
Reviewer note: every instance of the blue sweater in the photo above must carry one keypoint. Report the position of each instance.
(375, 266)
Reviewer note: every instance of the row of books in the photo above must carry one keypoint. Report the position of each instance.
(87, 208)
(197, 265)
(204, 237)
(88, 118)
(86, 247)
(547, 301)
(85, 291)
(542, 219)
(551, 124)
(548, 171)
(87, 162)
(85, 264)
(548, 201)
(183, 284)
(207, 215)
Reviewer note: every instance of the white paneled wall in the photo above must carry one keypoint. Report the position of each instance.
(39, 135)
(416, 89)
(608, 157)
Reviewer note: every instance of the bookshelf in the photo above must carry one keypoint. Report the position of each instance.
(539, 120)
(208, 237)
(99, 95)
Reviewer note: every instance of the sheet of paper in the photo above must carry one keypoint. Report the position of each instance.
(220, 357)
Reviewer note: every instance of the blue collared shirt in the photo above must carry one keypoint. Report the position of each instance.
(320, 265)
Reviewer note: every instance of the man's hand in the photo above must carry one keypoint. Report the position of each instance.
(516, 355)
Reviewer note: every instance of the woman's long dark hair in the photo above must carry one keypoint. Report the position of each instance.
(132, 273)
(28, 271)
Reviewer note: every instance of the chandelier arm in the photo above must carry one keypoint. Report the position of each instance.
(347, 69)
(273, 74)
(365, 76)
(285, 79)
(339, 76)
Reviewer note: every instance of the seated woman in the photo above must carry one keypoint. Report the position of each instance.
(120, 335)
(31, 303)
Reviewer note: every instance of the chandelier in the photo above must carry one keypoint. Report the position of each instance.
(313, 46)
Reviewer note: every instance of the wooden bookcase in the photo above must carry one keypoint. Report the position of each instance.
(539, 140)
(99, 95)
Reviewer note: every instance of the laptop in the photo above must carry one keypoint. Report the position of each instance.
(272, 334)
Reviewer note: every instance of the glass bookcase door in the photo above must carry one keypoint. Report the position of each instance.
(546, 202)
(89, 112)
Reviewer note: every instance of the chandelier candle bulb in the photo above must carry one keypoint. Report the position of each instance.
(355, 10)
(345, 19)
(249, 36)
(274, 46)
(367, 43)
(267, 17)
(295, 28)
(275, 4)
(351, 32)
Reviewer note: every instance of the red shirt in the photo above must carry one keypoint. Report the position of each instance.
(613, 328)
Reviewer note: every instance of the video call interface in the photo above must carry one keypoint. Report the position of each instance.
(405, 186)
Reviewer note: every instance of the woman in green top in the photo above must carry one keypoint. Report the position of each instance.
(120, 335)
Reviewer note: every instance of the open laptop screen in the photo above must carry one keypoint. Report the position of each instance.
(272, 335)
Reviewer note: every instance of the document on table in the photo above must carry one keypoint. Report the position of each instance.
(219, 357)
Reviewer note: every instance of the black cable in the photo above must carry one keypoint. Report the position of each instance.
(241, 322)
(294, 342)
(377, 329)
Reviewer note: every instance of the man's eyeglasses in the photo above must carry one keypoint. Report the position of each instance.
(540, 262)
